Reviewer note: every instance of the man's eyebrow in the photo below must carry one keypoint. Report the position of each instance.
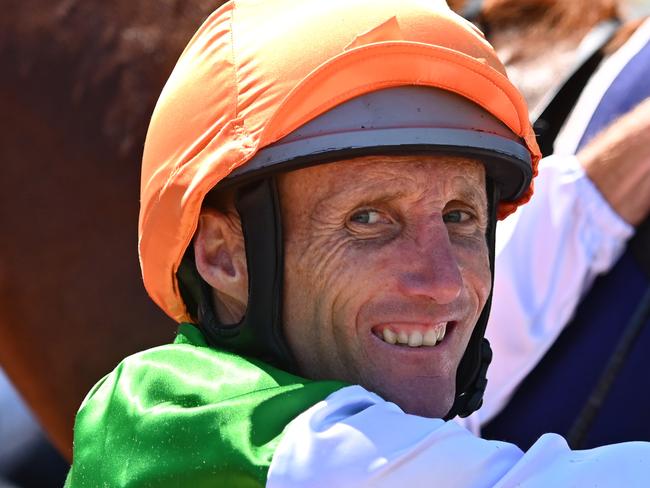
(370, 193)
(398, 187)
(467, 194)
(475, 199)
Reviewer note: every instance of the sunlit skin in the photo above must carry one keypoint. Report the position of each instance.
(369, 243)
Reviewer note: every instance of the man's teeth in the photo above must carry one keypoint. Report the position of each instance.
(415, 339)
(402, 337)
(431, 336)
(389, 336)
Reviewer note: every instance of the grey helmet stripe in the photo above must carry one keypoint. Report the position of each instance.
(402, 119)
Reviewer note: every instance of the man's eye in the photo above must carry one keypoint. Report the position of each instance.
(368, 217)
(456, 217)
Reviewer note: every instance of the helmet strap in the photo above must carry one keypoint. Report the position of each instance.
(259, 333)
(471, 379)
(258, 205)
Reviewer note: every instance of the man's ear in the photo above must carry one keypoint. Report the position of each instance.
(220, 257)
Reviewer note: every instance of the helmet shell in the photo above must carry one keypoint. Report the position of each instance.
(256, 70)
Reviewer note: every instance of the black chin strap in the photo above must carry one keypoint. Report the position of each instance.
(471, 379)
(259, 333)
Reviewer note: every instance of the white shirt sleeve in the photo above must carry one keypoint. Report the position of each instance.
(547, 255)
(356, 439)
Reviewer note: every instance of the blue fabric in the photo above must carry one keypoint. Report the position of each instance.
(552, 396)
(631, 86)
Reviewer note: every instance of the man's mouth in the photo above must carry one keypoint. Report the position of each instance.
(412, 336)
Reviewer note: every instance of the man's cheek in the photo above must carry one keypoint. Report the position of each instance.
(474, 261)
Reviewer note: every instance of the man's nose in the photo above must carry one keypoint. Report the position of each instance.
(431, 267)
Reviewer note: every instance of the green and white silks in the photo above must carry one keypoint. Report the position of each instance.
(191, 416)
(185, 414)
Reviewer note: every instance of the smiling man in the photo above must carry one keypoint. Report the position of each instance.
(387, 263)
(320, 188)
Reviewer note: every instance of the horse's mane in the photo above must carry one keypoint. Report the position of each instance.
(547, 19)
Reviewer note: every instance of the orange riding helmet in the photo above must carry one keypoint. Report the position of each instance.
(241, 98)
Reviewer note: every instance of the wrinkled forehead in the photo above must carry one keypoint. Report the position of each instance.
(374, 177)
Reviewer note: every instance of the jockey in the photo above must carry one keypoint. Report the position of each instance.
(320, 187)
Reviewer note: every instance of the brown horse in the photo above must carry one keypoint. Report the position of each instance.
(79, 83)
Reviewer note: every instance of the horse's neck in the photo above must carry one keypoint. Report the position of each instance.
(534, 69)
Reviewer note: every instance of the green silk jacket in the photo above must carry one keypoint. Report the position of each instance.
(186, 414)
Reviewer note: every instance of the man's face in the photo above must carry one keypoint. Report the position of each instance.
(382, 251)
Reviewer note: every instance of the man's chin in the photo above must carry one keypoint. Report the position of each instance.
(424, 398)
